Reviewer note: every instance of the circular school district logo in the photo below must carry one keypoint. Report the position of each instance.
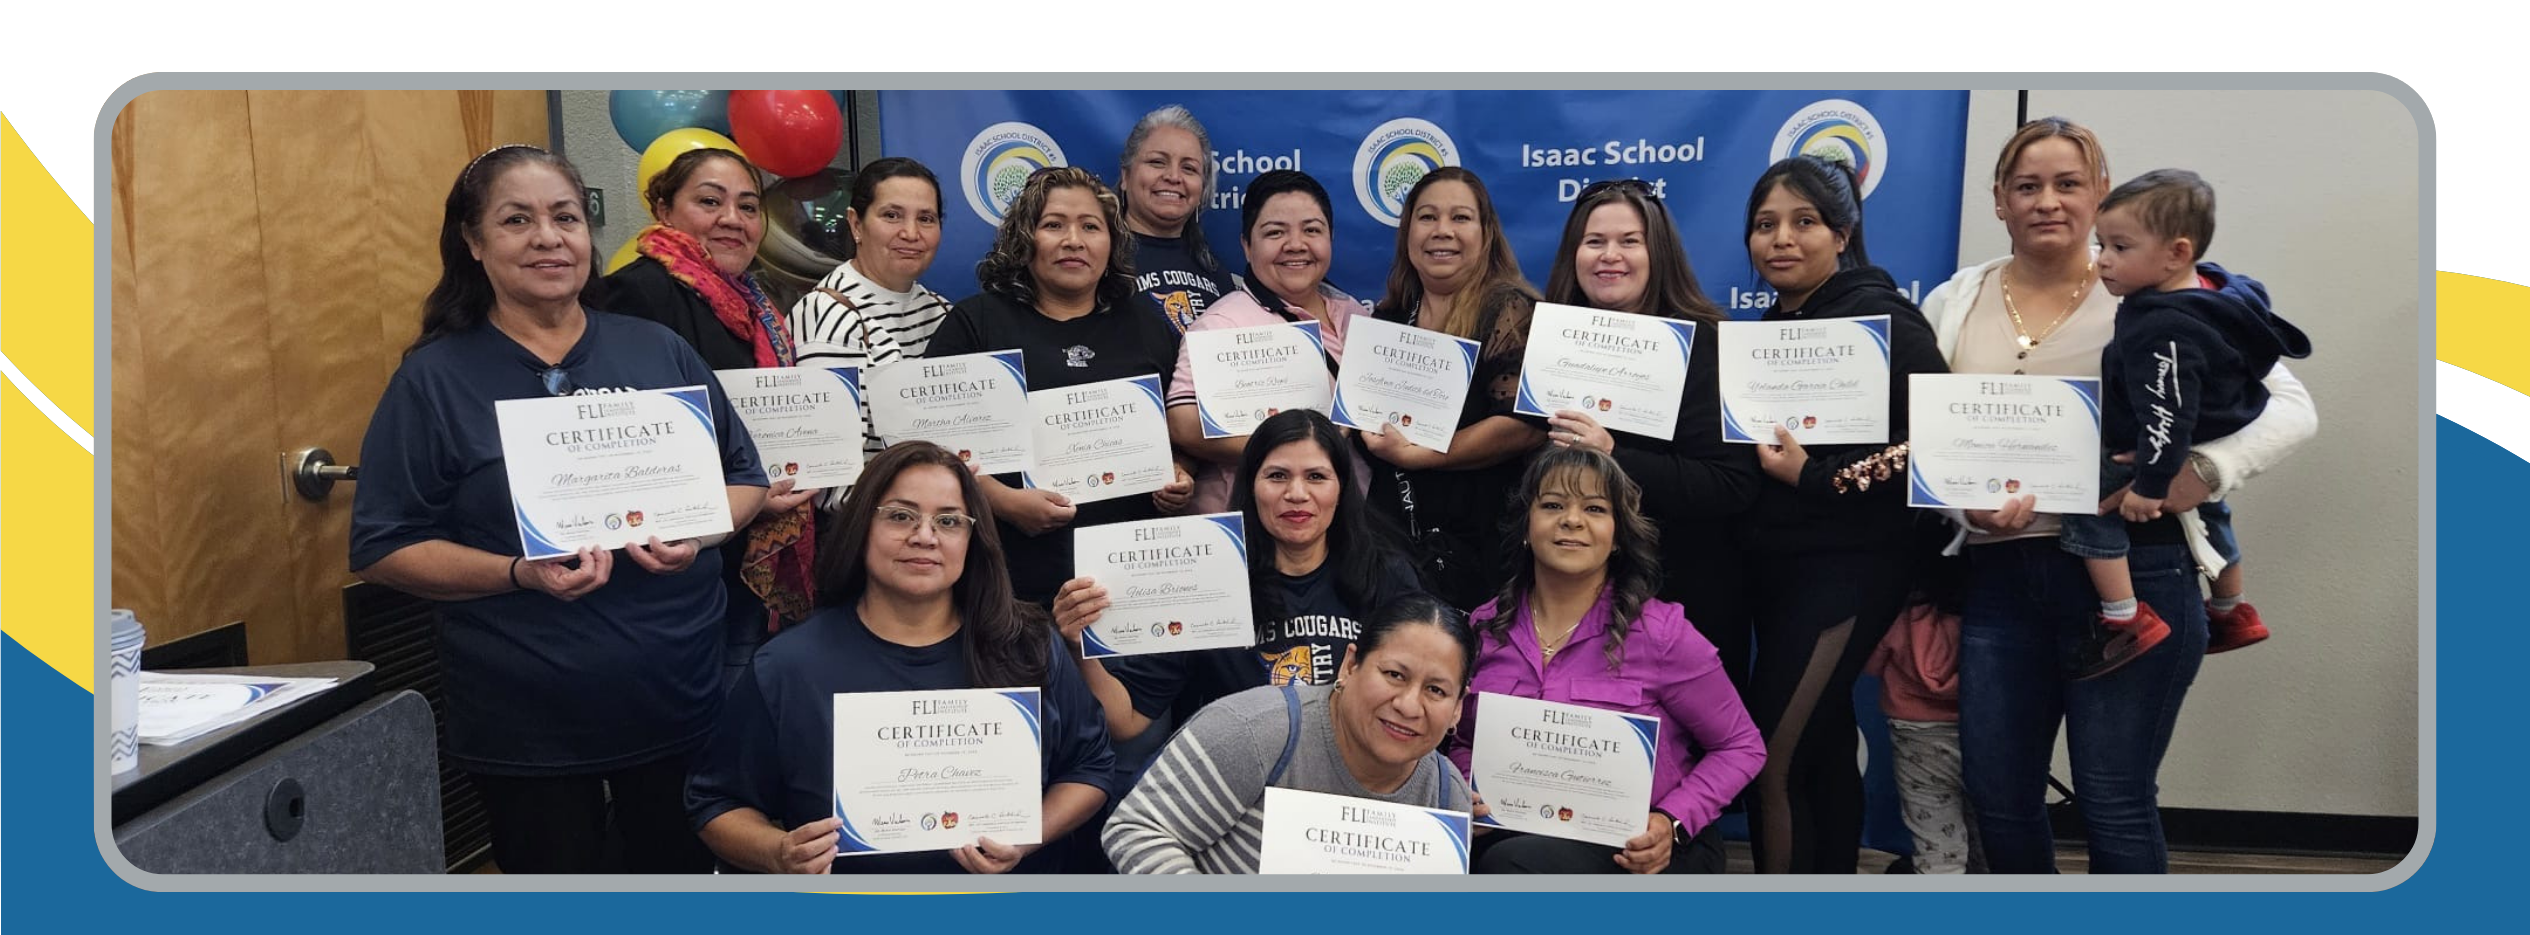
(1840, 130)
(1394, 157)
(999, 160)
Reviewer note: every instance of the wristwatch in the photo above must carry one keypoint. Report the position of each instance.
(1678, 836)
(2205, 468)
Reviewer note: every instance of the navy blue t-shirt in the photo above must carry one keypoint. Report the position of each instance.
(1179, 286)
(1305, 644)
(774, 748)
(537, 686)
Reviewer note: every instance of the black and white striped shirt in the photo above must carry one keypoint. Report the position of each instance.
(850, 321)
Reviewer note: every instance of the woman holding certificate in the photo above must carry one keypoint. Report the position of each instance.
(874, 310)
(1585, 595)
(692, 276)
(1621, 253)
(1454, 273)
(1827, 539)
(579, 686)
(1058, 287)
(2041, 310)
(1373, 734)
(1288, 227)
(914, 598)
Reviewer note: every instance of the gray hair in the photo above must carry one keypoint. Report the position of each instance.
(1173, 115)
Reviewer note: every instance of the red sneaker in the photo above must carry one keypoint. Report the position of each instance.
(2240, 628)
(2113, 644)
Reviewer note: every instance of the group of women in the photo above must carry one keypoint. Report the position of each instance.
(669, 711)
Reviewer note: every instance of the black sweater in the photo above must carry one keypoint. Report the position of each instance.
(644, 289)
(1814, 517)
(2186, 367)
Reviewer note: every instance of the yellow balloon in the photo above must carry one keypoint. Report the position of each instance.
(666, 148)
(624, 255)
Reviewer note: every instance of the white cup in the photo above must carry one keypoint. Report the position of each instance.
(126, 641)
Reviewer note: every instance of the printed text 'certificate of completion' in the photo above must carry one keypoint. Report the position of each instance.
(806, 421)
(1313, 832)
(934, 770)
(612, 469)
(1173, 585)
(1978, 440)
(1626, 371)
(1409, 378)
(975, 405)
(1563, 770)
(1100, 441)
(1244, 376)
(1827, 380)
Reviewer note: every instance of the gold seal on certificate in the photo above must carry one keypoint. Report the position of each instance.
(1173, 585)
(1244, 376)
(611, 469)
(1625, 371)
(1407, 377)
(1978, 440)
(1563, 770)
(974, 405)
(1827, 381)
(806, 421)
(1313, 832)
(1100, 441)
(934, 770)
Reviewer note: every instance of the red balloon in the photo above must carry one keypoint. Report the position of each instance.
(789, 133)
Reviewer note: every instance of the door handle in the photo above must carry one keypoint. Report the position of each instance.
(313, 473)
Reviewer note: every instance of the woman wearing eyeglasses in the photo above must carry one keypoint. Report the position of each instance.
(577, 688)
(913, 596)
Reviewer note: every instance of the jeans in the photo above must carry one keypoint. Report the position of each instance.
(2105, 536)
(2028, 605)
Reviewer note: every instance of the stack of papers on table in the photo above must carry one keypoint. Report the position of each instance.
(178, 706)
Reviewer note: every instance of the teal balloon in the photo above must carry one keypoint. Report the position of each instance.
(641, 117)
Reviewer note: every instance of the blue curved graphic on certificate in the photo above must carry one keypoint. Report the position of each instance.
(851, 377)
(1017, 365)
(1649, 730)
(698, 402)
(1094, 648)
(2089, 391)
(1316, 340)
(1150, 386)
(1686, 341)
(1212, 429)
(1527, 403)
(537, 545)
(1878, 329)
(1232, 525)
(1732, 431)
(1026, 702)
(1342, 416)
(1485, 819)
(1923, 493)
(1466, 354)
(848, 839)
(1456, 825)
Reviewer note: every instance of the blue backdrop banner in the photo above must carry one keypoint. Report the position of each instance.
(1534, 149)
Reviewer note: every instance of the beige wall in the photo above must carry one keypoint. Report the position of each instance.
(2318, 198)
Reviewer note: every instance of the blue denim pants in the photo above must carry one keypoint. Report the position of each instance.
(2028, 605)
(2105, 536)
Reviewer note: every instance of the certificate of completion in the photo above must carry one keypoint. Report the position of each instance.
(1313, 832)
(806, 421)
(612, 469)
(1826, 380)
(934, 770)
(1626, 371)
(1977, 440)
(1245, 375)
(1563, 770)
(1397, 375)
(1100, 441)
(973, 404)
(1173, 585)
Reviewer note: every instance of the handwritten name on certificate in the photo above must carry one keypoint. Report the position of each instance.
(934, 770)
(1626, 371)
(1244, 376)
(1563, 770)
(806, 421)
(1403, 376)
(1978, 440)
(1827, 380)
(1100, 441)
(1313, 832)
(975, 405)
(612, 469)
(1173, 585)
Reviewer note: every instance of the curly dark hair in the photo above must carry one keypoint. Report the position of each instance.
(1006, 269)
(1633, 566)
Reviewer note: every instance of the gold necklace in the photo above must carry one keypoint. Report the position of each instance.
(2021, 328)
(1546, 653)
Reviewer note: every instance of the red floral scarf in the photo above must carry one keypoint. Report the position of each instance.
(780, 549)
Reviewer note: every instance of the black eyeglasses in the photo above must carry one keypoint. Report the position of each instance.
(1638, 186)
(557, 381)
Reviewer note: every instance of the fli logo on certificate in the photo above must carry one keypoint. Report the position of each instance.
(1827, 380)
(1100, 441)
(1244, 376)
(1979, 440)
(1314, 832)
(1625, 371)
(1563, 770)
(935, 770)
(1173, 585)
(610, 469)
(1406, 377)
(974, 405)
(806, 421)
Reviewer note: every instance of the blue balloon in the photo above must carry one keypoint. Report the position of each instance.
(641, 117)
